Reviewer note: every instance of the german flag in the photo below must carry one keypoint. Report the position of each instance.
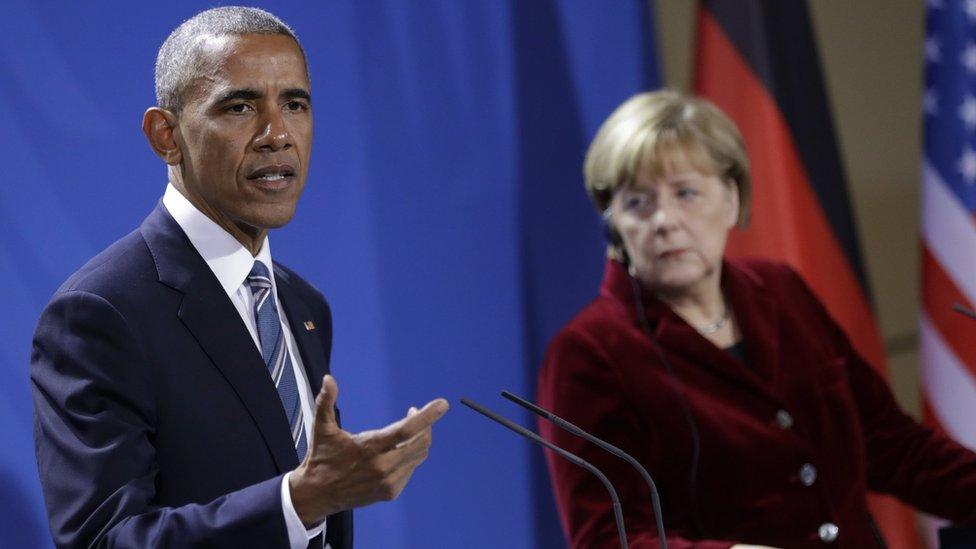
(757, 60)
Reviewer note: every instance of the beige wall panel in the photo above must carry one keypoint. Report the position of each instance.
(871, 56)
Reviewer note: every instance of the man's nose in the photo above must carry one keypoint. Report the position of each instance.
(273, 134)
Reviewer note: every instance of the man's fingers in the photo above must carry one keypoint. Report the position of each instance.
(410, 411)
(407, 455)
(394, 434)
(422, 434)
(421, 420)
(325, 404)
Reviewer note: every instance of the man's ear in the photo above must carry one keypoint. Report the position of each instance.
(159, 125)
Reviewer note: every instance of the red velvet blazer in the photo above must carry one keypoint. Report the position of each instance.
(790, 442)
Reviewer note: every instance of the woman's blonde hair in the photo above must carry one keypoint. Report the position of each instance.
(646, 131)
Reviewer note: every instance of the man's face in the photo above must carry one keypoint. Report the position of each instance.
(245, 132)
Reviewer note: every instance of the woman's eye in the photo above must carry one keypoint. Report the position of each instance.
(634, 202)
(686, 193)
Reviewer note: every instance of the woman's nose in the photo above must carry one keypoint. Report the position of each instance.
(663, 217)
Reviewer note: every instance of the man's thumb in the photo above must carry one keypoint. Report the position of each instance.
(325, 402)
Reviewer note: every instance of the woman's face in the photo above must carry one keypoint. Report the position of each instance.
(674, 226)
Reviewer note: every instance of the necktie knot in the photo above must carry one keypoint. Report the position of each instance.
(259, 279)
(259, 272)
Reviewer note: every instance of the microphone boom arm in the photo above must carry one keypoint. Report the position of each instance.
(573, 458)
(655, 500)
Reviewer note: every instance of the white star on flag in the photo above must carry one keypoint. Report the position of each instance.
(971, 10)
(967, 165)
(930, 102)
(969, 57)
(967, 112)
(932, 49)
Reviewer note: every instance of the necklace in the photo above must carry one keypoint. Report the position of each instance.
(709, 329)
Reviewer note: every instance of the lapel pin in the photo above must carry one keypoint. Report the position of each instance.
(309, 325)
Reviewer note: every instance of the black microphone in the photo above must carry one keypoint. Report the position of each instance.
(617, 514)
(962, 309)
(655, 500)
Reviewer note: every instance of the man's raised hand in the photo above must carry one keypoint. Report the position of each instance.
(343, 470)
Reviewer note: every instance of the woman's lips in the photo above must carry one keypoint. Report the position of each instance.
(671, 254)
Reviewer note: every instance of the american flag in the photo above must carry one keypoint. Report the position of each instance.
(948, 202)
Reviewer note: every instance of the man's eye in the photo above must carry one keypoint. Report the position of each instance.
(239, 108)
(295, 106)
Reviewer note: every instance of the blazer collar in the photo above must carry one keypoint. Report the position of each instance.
(315, 359)
(209, 315)
(756, 311)
(229, 260)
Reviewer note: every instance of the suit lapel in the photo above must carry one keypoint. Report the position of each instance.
(758, 317)
(216, 325)
(314, 357)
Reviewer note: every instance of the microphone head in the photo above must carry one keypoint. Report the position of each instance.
(526, 404)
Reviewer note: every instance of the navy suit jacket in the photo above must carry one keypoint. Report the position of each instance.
(156, 422)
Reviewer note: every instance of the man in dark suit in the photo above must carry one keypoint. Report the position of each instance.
(173, 375)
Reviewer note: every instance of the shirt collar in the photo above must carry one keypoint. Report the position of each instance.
(229, 260)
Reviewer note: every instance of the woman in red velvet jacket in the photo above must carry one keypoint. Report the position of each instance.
(727, 380)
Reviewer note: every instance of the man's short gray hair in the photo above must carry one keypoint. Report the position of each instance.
(178, 58)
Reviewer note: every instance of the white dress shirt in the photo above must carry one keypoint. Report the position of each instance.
(231, 262)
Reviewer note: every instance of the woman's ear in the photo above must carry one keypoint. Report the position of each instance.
(159, 126)
(732, 194)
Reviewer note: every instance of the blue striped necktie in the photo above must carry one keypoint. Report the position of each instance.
(275, 352)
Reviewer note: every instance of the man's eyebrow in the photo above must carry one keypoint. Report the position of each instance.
(296, 93)
(243, 93)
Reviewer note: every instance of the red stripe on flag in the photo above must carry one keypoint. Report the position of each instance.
(939, 294)
(788, 223)
(929, 417)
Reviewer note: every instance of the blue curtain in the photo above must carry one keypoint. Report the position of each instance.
(444, 217)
